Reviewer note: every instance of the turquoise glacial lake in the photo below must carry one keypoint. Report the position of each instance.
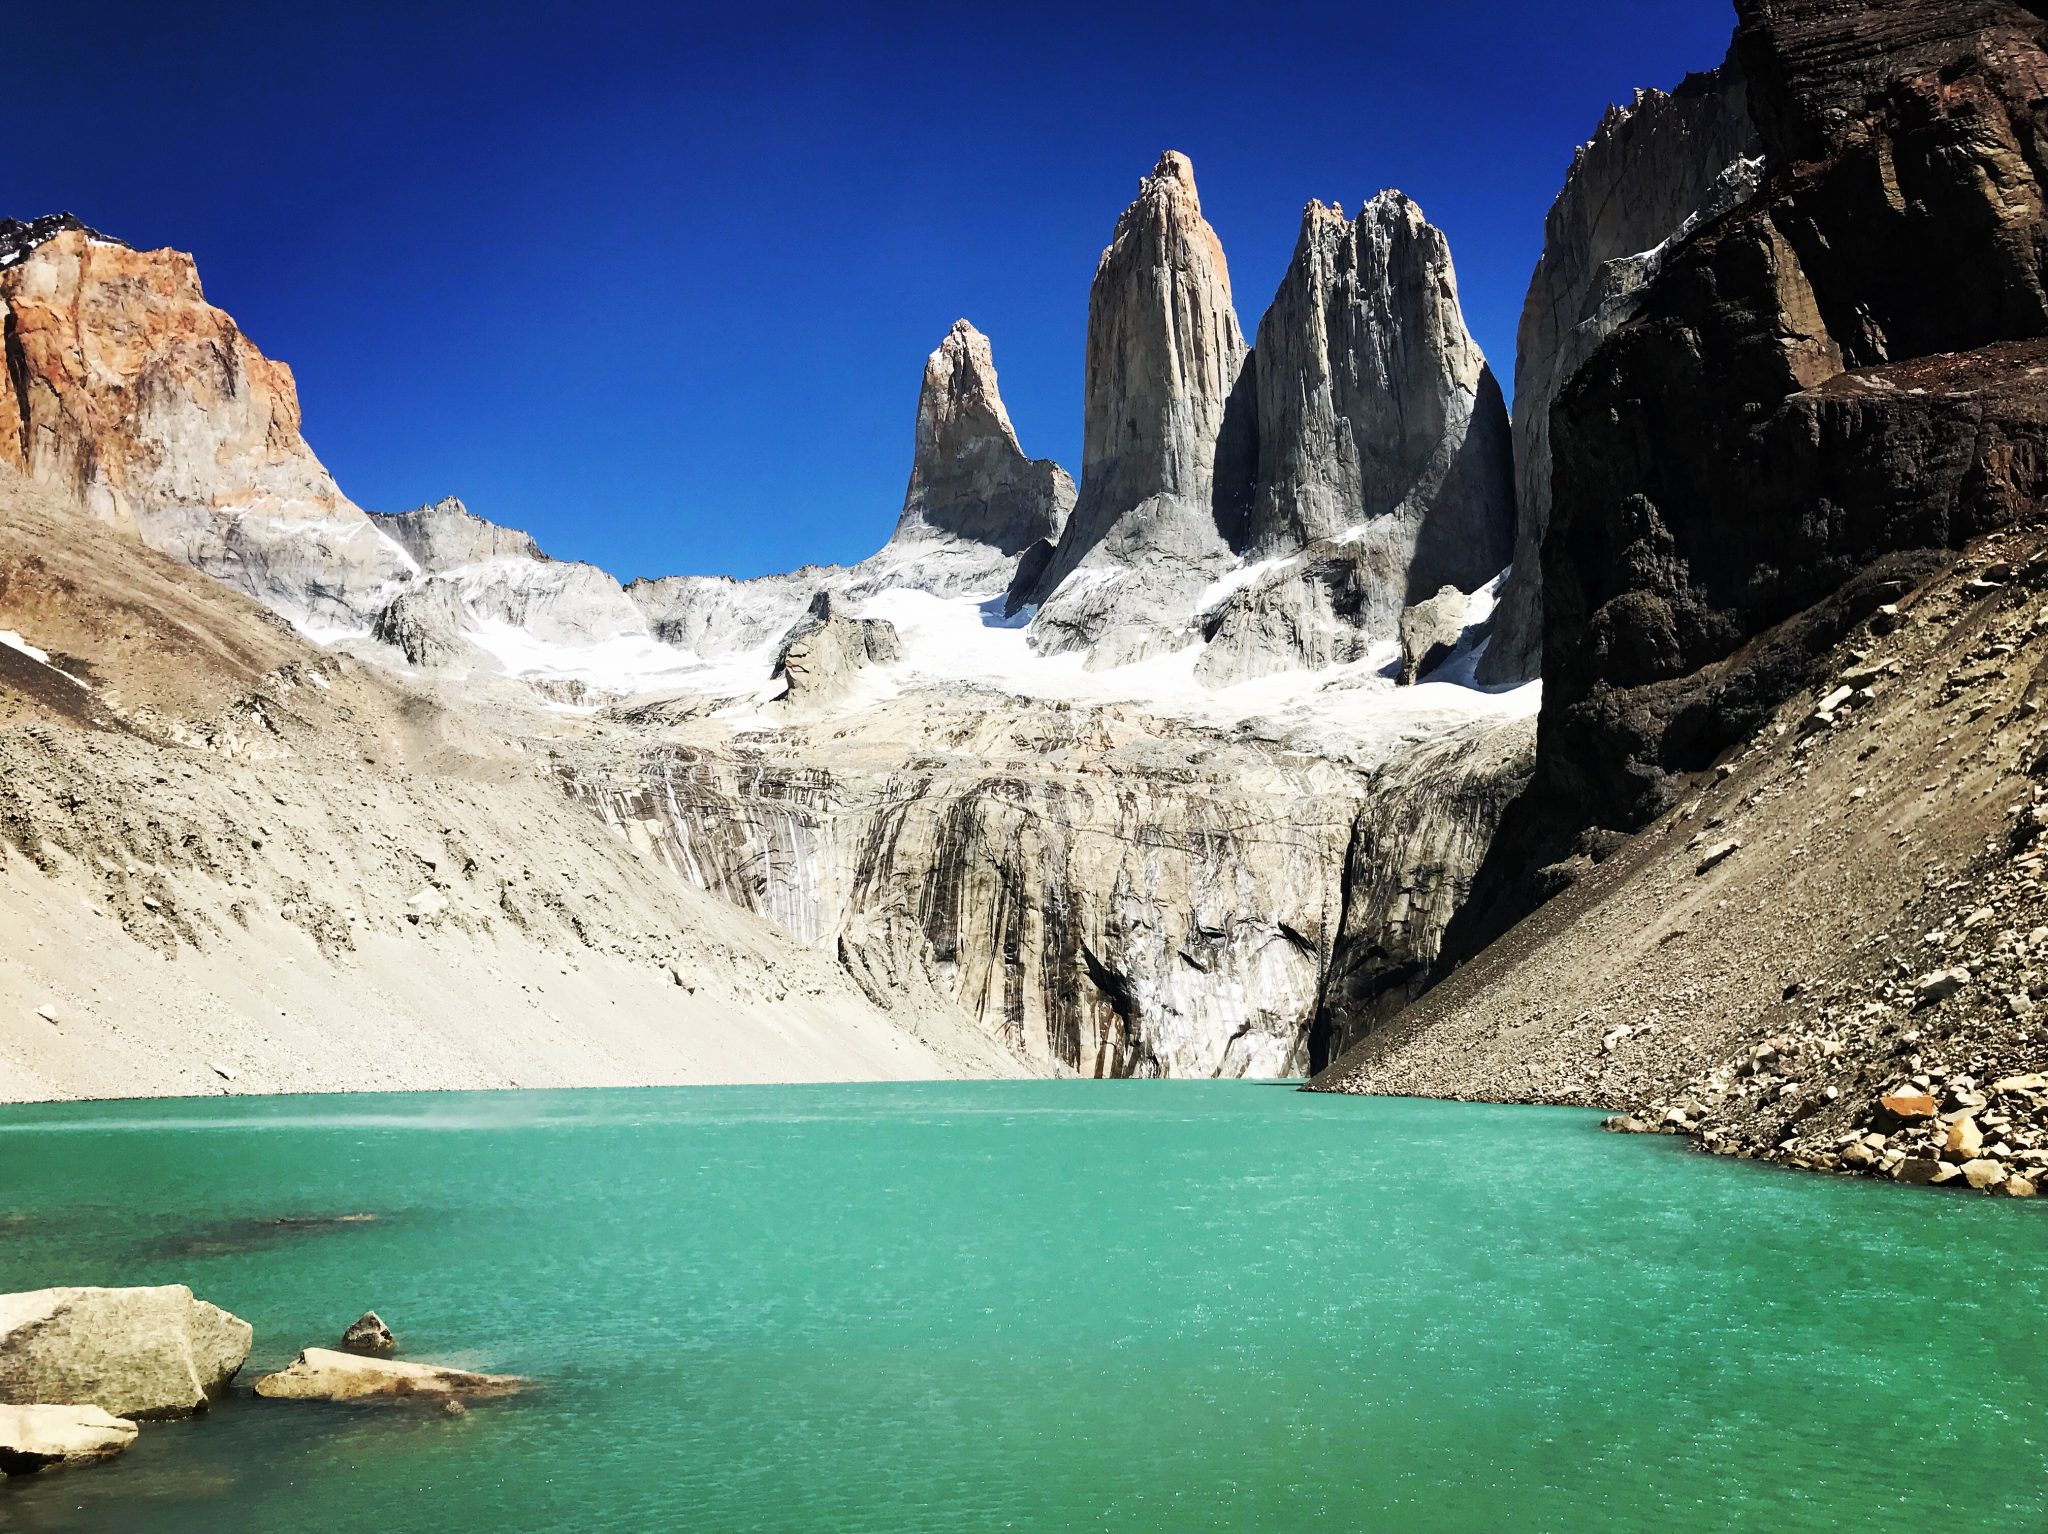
(1043, 1306)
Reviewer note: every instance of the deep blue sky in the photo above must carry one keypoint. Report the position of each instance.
(656, 283)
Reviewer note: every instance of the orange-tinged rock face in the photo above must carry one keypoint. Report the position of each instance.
(128, 390)
(1908, 1105)
(126, 393)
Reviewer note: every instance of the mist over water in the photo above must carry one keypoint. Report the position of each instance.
(1042, 1306)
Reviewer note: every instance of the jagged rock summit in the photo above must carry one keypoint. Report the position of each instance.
(17, 239)
(974, 502)
(1279, 504)
(1376, 406)
(1385, 466)
(997, 845)
(446, 535)
(975, 508)
(1165, 360)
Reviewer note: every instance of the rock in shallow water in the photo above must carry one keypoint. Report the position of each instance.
(369, 1335)
(36, 1438)
(320, 1374)
(144, 1352)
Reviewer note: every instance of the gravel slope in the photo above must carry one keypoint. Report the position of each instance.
(1754, 969)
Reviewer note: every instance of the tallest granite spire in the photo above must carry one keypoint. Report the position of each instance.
(1165, 358)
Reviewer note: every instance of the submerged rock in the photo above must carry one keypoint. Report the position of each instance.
(36, 1438)
(321, 1374)
(144, 1352)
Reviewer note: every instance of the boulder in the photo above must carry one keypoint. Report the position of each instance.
(1908, 1104)
(1965, 1139)
(1914, 1169)
(369, 1335)
(1718, 854)
(1429, 632)
(824, 652)
(143, 1352)
(1939, 986)
(36, 1438)
(1984, 1174)
(320, 1374)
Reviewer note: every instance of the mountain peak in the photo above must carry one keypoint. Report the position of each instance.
(1174, 174)
(17, 238)
(969, 478)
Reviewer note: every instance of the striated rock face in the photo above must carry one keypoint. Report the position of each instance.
(1093, 888)
(1377, 415)
(1384, 463)
(975, 502)
(1167, 434)
(356, 881)
(151, 1352)
(1425, 825)
(1654, 170)
(1859, 350)
(125, 391)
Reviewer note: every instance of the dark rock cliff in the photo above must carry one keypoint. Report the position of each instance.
(1822, 391)
(1653, 170)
